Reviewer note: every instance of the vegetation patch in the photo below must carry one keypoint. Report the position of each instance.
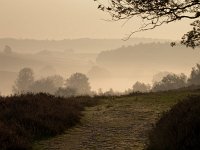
(178, 128)
(29, 117)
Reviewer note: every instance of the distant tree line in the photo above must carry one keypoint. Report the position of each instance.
(171, 81)
(77, 84)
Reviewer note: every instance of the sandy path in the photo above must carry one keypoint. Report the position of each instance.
(113, 125)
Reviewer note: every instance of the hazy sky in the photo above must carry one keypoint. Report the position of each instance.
(59, 19)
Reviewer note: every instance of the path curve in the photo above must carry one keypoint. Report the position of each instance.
(113, 125)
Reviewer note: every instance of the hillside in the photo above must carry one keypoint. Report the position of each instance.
(152, 57)
(15, 61)
(79, 45)
(117, 68)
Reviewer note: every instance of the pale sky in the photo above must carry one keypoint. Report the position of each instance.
(63, 19)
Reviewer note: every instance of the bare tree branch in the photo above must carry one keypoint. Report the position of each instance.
(155, 13)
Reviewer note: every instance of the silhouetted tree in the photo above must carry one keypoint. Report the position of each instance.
(79, 82)
(195, 76)
(141, 87)
(24, 81)
(170, 82)
(155, 13)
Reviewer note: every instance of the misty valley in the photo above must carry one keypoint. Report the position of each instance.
(100, 75)
(109, 68)
(65, 94)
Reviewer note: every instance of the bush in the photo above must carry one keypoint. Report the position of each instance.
(66, 92)
(170, 82)
(141, 87)
(31, 117)
(179, 128)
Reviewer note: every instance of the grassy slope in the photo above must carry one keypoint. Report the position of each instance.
(117, 123)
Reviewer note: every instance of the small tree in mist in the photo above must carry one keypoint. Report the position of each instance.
(57, 80)
(141, 87)
(24, 80)
(159, 76)
(66, 92)
(171, 82)
(44, 85)
(195, 76)
(80, 83)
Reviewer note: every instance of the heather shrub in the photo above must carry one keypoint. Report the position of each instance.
(25, 118)
(179, 128)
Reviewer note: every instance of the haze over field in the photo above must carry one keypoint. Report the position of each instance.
(99, 74)
(64, 37)
(116, 68)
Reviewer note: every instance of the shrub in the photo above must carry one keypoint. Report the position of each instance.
(141, 87)
(80, 83)
(179, 128)
(29, 117)
(24, 80)
(194, 78)
(170, 82)
(11, 139)
(66, 92)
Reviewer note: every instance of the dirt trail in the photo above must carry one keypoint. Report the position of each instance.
(113, 125)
